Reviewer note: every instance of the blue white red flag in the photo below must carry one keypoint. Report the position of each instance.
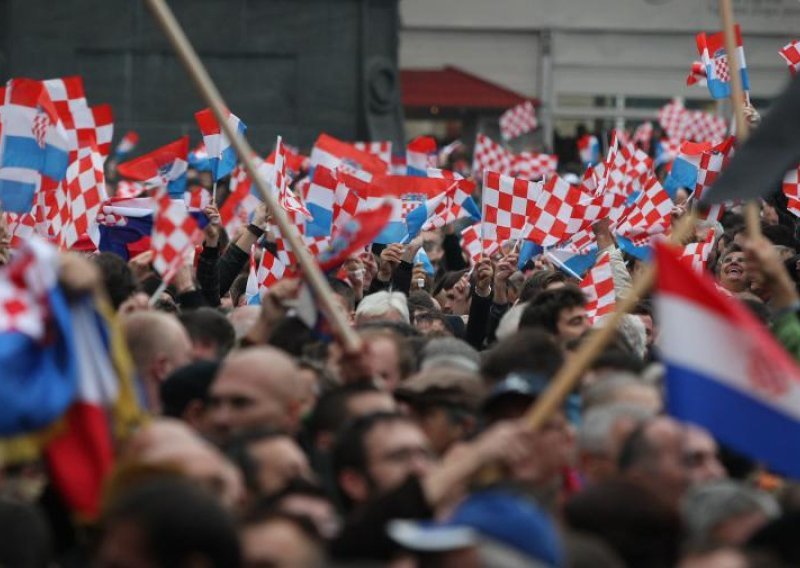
(33, 143)
(356, 234)
(685, 167)
(221, 154)
(164, 166)
(589, 149)
(126, 144)
(421, 154)
(454, 203)
(725, 371)
(711, 48)
(199, 159)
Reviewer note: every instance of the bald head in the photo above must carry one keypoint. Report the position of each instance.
(255, 388)
(158, 344)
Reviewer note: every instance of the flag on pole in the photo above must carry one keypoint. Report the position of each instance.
(357, 233)
(126, 144)
(697, 74)
(221, 153)
(491, 156)
(725, 371)
(163, 167)
(696, 254)
(421, 154)
(518, 120)
(711, 48)
(174, 234)
(791, 55)
(598, 287)
(557, 208)
(589, 149)
(507, 204)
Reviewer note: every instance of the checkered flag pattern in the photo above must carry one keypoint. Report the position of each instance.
(471, 243)
(642, 135)
(346, 203)
(383, 150)
(174, 234)
(696, 125)
(507, 204)
(270, 270)
(598, 287)
(791, 189)
(84, 125)
(534, 165)
(450, 209)
(721, 69)
(79, 197)
(126, 189)
(711, 164)
(21, 227)
(650, 214)
(197, 198)
(791, 55)
(491, 156)
(518, 120)
(555, 211)
(696, 254)
(624, 170)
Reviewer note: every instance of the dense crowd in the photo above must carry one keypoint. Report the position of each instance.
(270, 445)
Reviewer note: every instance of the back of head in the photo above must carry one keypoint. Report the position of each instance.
(150, 333)
(383, 305)
(117, 277)
(179, 523)
(450, 352)
(543, 309)
(186, 384)
(538, 282)
(208, 328)
(529, 350)
(26, 537)
(597, 425)
(612, 388)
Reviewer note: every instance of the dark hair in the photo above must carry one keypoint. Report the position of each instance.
(292, 335)
(636, 449)
(330, 411)
(343, 289)
(419, 300)
(643, 308)
(208, 325)
(186, 384)
(758, 309)
(544, 309)
(401, 328)
(118, 278)
(179, 521)
(238, 451)
(528, 350)
(350, 451)
(448, 280)
(261, 513)
(238, 286)
(26, 536)
(780, 235)
(538, 282)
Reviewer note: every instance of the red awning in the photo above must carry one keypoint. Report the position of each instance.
(451, 87)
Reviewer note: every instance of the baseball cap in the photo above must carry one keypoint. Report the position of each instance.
(529, 385)
(496, 515)
(442, 386)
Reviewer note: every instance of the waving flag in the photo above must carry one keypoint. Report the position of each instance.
(421, 154)
(270, 271)
(164, 167)
(333, 154)
(711, 164)
(534, 165)
(381, 150)
(589, 149)
(598, 287)
(697, 74)
(693, 125)
(575, 264)
(490, 156)
(685, 167)
(356, 234)
(696, 254)
(791, 55)
(507, 204)
(643, 134)
(557, 206)
(473, 246)
(518, 120)
(718, 68)
(452, 204)
(199, 159)
(174, 234)
(649, 214)
(33, 143)
(221, 154)
(725, 371)
(126, 144)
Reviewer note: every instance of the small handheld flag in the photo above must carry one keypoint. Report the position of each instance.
(164, 166)
(711, 48)
(221, 154)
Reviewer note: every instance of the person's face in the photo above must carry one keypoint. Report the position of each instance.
(439, 427)
(702, 456)
(769, 215)
(671, 474)
(427, 325)
(277, 543)
(239, 401)
(385, 361)
(394, 451)
(446, 299)
(732, 274)
(647, 320)
(321, 512)
(552, 449)
(278, 461)
(5, 240)
(572, 323)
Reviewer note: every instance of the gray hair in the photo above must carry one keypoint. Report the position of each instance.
(708, 505)
(594, 433)
(604, 391)
(450, 352)
(383, 302)
(631, 329)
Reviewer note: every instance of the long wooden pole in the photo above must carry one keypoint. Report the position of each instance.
(186, 53)
(570, 373)
(751, 210)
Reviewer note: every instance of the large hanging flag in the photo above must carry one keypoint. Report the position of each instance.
(221, 155)
(33, 143)
(163, 167)
(725, 371)
(175, 233)
(598, 287)
(711, 48)
(518, 120)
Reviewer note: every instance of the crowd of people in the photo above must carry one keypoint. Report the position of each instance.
(271, 445)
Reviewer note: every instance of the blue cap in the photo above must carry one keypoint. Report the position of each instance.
(529, 385)
(494, 514)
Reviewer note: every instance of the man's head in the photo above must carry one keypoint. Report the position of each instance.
(444, 293)
(731, 271)
(391, 357)
(383, 306)
(117, 277)
(255, 388)
(654, 456)
(621, 388)
(184, 394)
(561, 312)
(281, 540)
(702, 456)
(527, 351)
(158, 344)
(211, 333)
(269, 460)
(377, 453)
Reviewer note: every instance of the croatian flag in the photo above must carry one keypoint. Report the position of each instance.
(589, 149)
(685, 167)
(718, 68)
(126, 145)
(575, 264)
(421, 154)
(33, 143)
(725, 371)
(220, 152)
(354, 235)
(165, 166)
(450, 205)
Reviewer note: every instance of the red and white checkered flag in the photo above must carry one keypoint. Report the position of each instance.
(642, 135)
(696, 125)
(79, 198)
(518, 120)
(534, 165)
(697, 254)
(598, 287)
(270, 270)
(382, 150)
(288, 200)
(649, 215)
(556, 211)
(489, 155)
(711, 164)
(507, 204)
(85, 125)
(175, 233)
(473, 247)
(791, 55)
(791, 189)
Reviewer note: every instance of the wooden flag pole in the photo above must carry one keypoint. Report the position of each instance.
(186, 53)
(570, 373)
(751, 210)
